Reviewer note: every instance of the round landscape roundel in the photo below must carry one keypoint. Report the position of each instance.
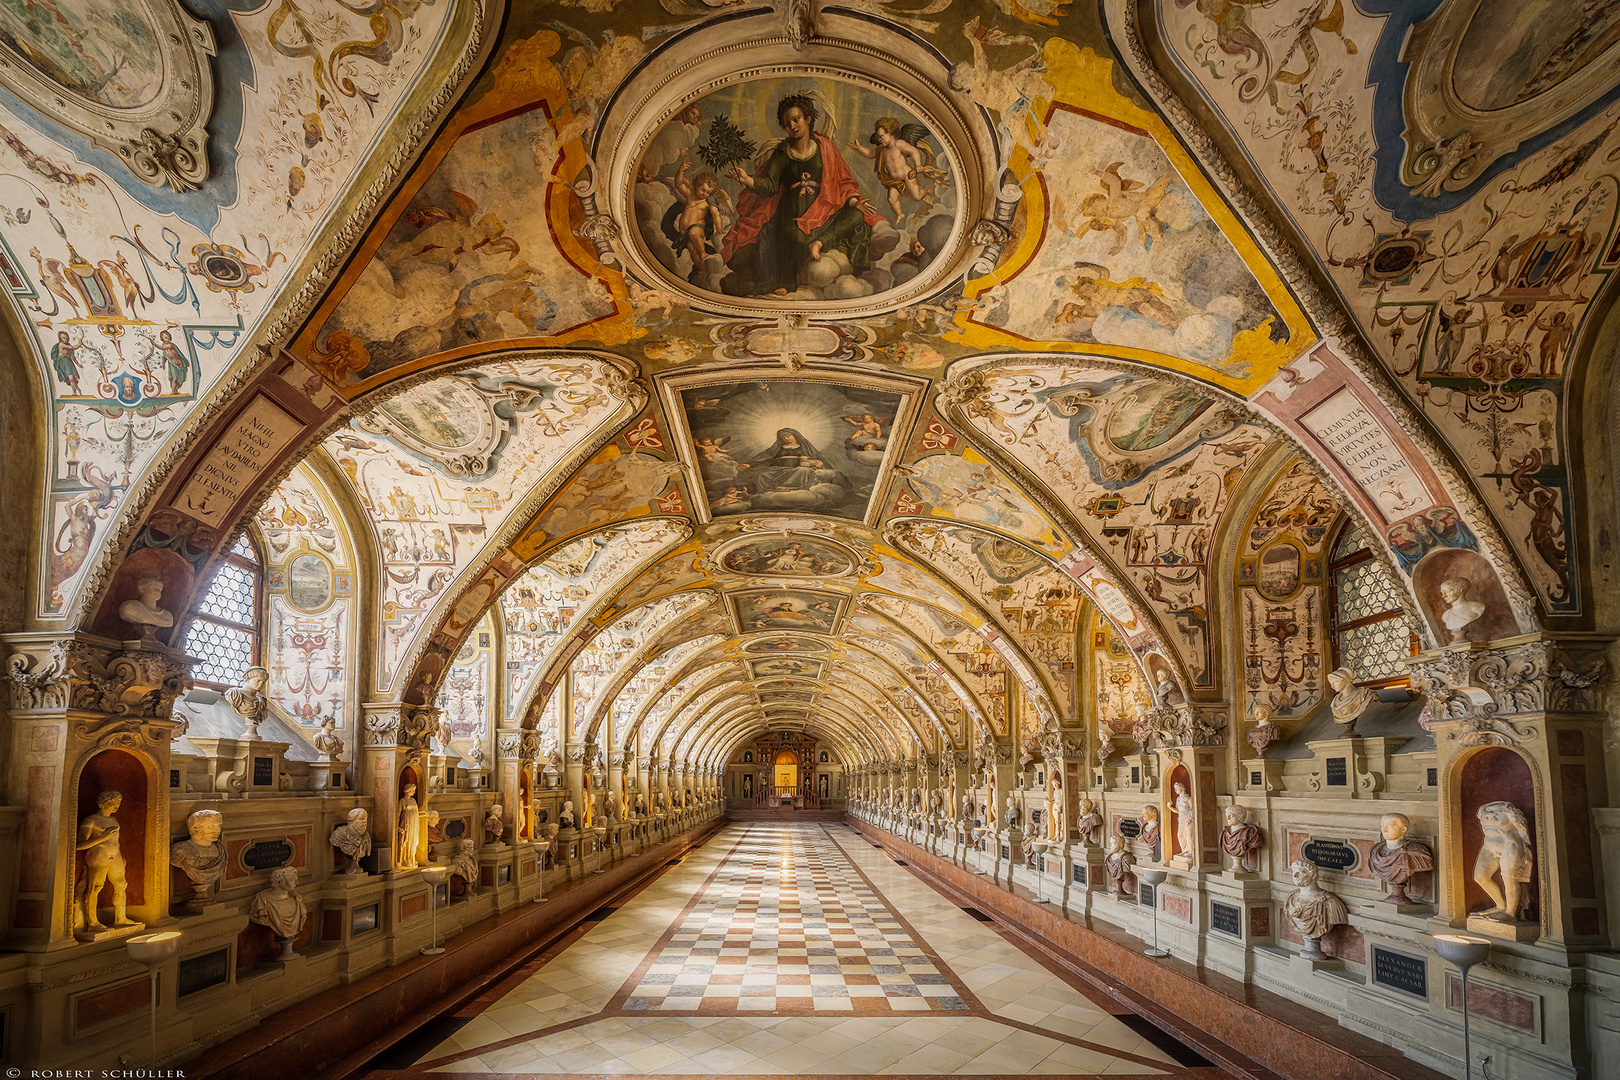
(796, 188)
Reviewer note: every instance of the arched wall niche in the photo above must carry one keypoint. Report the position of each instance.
(142, 831)
(1497, 774)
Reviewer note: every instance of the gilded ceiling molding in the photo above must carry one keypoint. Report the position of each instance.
(152, 110)
(1330, 318)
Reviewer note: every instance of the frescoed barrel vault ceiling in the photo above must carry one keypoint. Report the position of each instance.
(924, 374)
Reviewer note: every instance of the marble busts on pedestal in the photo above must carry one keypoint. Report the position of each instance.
(1149, 835)
(1117, 864)
(248, 700)
(464, 864)
(1349, 700)
(143, 611)
(281, 909)
(201, 857)
(494, 826)
(1395, 859)
(353, 838)
(1241, 838)
(1506, 852)
(100, 840)
(326, 740)
(1313, 910)
(1090, 822)
(565, 819)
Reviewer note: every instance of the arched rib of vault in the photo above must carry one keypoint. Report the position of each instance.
(708, 683)
(1307, 273)
(944, 696)
(851, 685)
(675, 743)
(955, 645)
(601, 668)
(575, 577)
(679, 682)
(615, 702)
(629, 698)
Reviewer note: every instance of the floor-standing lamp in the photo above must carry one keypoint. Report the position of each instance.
(1040, 847)
(1154, 878)
(154, 950)
(1464, 952)
(434, 876)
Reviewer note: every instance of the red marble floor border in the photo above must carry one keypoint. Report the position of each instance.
(1192, 1003)
(614, 1007)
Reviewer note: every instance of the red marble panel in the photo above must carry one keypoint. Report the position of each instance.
(1296, 844)
(1577, 831)
(1179, 906)
(1571, 743)
(1260, 921)
(33, 875)
(1286, 931)
(413, 905)
(1345, 942)
(44, 739)
(1360, 870)
(527, 868)
(1208, 825)
(233, 858)
(300, 846)
(29, 915)
(332, 924)
(1584, 922)
(1504, 1006)
(104, 1005)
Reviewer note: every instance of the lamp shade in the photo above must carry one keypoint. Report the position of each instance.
(1465, 952)
(1151, 876)
(153, 949)
(435, 875)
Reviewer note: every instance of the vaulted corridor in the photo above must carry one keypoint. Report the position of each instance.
(792, 948)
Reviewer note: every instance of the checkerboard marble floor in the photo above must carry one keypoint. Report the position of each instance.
(794, 949)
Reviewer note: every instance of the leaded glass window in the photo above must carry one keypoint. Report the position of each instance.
(224, 631)
(1371, 632)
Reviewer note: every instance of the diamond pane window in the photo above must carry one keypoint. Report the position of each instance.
(1371, 632)
(224, 630)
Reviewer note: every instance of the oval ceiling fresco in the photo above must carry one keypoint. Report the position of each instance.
(800, 188)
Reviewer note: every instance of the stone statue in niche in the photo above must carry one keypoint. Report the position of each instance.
(1395, 859)
(566, 818)
(1150, 830)
(144, 612)
(1090, 823)
(1349, 700)
(1182, 805)
(1054, 818)
(353, 838)
(1117, 864)
(1312, 909)
(326, 740)
(410, 829)
(465, 864)
(201, 857)
(1461, 612)
(248, 700)
(1507, 851)
(103, 862)
(494, 827)
(281, 909)
(1241, 839)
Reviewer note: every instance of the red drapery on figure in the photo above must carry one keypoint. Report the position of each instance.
(838, 186)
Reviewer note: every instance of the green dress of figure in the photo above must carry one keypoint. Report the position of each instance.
(784, 190)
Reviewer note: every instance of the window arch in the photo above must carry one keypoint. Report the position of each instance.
(1371, 631)
(224, 631)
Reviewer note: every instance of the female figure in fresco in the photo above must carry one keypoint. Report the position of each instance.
(801, 203)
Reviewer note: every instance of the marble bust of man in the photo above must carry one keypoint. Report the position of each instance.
(1349, 700)
(326, 740)
(353, 838)
(1117, 863)
(566, 818)
(103, 862)
(143, 611)
(1460, 612)
(201, 857)
(494, 826)
(464, 864)
(1241, 838)
(1150, 829)
(281, 909)
(1313, 910)
(1395, 859)
(248, 700)
(1507, 850)
(1090, 821)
